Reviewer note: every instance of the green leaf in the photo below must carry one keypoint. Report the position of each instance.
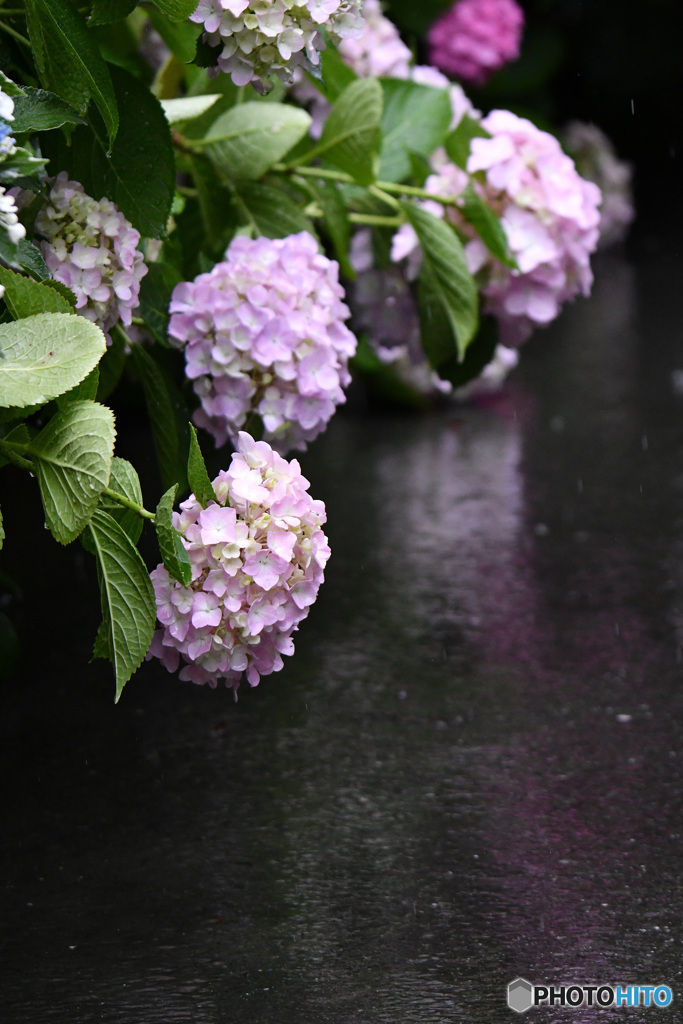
(335, 74)
(31, 260)
(124, 480)
(176, 10)
(139, 176)
(459, 141)
(218, 212)
(156, 288)
(72, 459)
(105, 11)
(172, 549)
(197, 475)
(111, 367)
(351, 135)
(161, 414)
(85, 391)
(181, 38)
(43, 356)
(9, 250)
(336, 220)
(39, 110)
(479, 354)
(68, 59)
(9, 87)
(186, 108)
(128, 605)
(447, 286)
(270, 211)
(25, 297)
(415, 119)
(484, 221)
(247, 140)
(62, 290)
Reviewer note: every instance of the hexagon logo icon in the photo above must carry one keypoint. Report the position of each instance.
(520, 995)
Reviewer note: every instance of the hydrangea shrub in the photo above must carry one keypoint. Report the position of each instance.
(475, 38)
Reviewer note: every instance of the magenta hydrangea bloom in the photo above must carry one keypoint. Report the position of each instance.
(476, 37)
(90, 247)
(264, 332)
(258, 556)
(260, 38)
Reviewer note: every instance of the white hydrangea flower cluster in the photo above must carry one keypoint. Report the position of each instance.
(264, 332)
(9, 222)
(264, 37)
(90, 247)
(258, 556)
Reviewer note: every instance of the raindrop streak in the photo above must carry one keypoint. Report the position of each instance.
(633, 107)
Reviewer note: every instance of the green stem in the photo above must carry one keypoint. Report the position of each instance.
(13, 32)
(380, 186)
(12, 450)
(121, 499)
(375, 220)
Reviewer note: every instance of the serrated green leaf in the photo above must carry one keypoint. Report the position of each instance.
(139, 175)
(105, 11)
(484, 221)
(128, 605)
(85, 391)
(176, 10)
(415, 119)
(172, 550)
(247, 140)
(459, 141)
(269, 211)
(197, 475)
(186, 108)
(39, 110)
(161, 414)
(180, 37)
(351, 135)
(31, 261)
(68, 59)
(9, 87)
(447, 286)
(72, 460)
(25, 297)
(62, 289)
(43, 356)
(124, 480)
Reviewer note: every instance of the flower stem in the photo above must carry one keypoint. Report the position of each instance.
(383, 186)
(13, 32)
(121, 499)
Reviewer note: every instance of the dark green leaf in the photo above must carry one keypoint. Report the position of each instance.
(43, 356)
(446, 284)
(128, 605)
(172, 550)
(9, 250)
(459, 141)
(155, 295)
(140, 174)
(105, 11)
(336, 220)
(69, 61)
(335, 74)
(415, 119)
(484, 221)
(9, 87)
(219, 216)
(161, 414)
(72, 459)
(351, 136)
(62, 290)
(31, 260)
(197, 475)
(111, 367)
(176, 10)
(39, 110)
(26, 297)
(19, 435)
(382, 381)
(270, 211)
(479, 354)
(247, 140)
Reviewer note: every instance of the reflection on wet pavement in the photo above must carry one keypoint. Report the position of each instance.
(469, 771)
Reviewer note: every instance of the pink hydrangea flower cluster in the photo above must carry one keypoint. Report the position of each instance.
(91, 248)
(265, 37)
(379, 51)
(476, 37)
(258, 555)
(264, 332)
(596, 160)
(550, 216)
